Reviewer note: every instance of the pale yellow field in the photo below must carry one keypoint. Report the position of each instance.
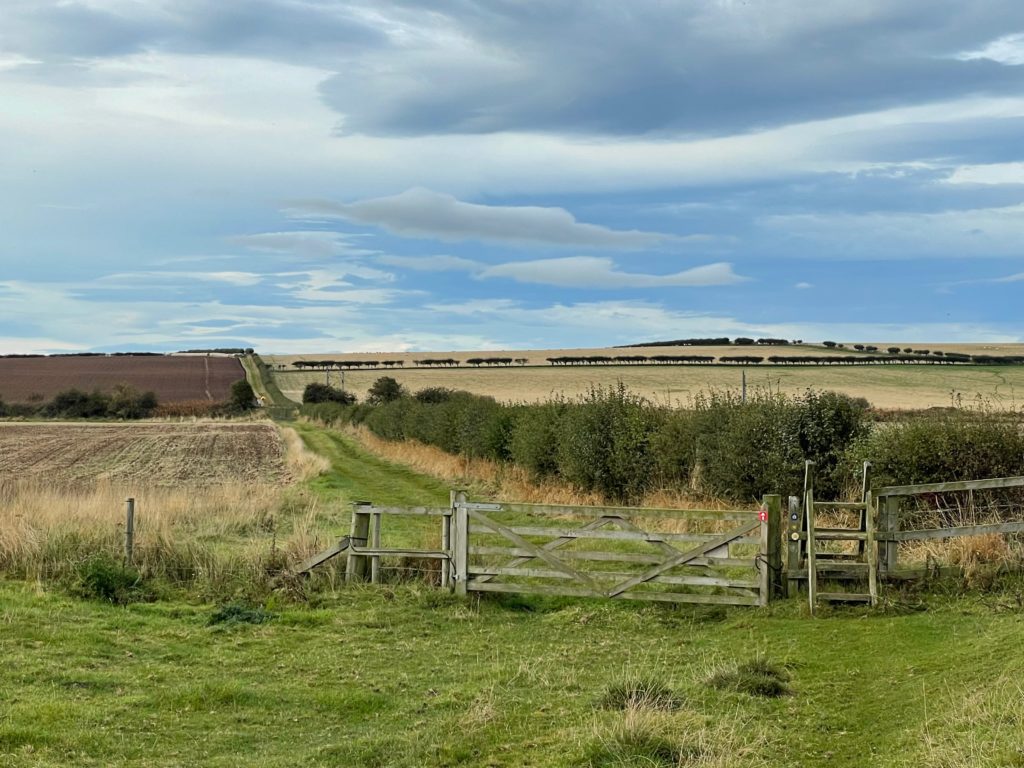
(890, 387)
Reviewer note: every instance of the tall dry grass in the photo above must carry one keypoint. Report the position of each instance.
(217, 535)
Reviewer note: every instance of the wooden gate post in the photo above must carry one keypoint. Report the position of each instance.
(355, 564)
(446, 542)
(793, 528)
(889, 522)
(129, 531)
(770, 556)
(461, 543)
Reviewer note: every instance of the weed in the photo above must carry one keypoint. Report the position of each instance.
(101, 577)
(235, 613)
(639, 692)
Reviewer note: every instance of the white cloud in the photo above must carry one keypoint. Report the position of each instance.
(990, 173)
(803, 286)
(1008, 50)
(439, 263)
(594, 272)
(132, 279)
(1017, 278)
(424, 213)
(308, 243)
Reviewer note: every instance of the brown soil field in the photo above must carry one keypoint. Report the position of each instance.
(174, 378)
(149, 453)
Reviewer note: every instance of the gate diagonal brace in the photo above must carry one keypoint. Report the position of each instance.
(683, 557)
(544, 555)
(593, 525)
(663, 545)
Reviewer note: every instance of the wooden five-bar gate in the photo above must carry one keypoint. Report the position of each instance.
(728, 557)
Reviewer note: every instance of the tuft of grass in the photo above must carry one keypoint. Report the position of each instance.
(101, 577)
(639, 739)
(755, 677)
(639, 692)
(234, 613)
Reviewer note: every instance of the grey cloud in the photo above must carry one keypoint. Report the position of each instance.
(428, 214)
(591, 272)
(440, 263)
(310, 243)
(692, 67)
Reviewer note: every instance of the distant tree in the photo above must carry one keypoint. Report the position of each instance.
(893, 350)
(126, 402)
(384, 390)
(242, 397)
(434, 395)
(317, 392)
(829, 344)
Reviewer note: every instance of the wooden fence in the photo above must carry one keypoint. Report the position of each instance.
(726, 557)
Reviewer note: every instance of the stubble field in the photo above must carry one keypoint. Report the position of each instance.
(153, 454)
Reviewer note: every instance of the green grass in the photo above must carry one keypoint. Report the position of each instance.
(409, 677)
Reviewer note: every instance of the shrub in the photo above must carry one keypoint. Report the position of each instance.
(75, 404)
(384, 390)
(101, 577)
(434, 395)
(533, 443)
(242, 397)
(126, 402)
(316, 392)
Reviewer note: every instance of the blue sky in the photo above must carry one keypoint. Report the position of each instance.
(305, 175)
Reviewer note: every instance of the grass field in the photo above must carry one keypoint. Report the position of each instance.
(889, 387)
(406, 676)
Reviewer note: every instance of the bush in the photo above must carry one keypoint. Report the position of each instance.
(316, 392)
(101, 577)
(384, 390)
(533, 443)
(75, 404)
(126, 402)
(242, 397)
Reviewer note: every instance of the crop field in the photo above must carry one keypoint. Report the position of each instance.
(174, 378)
(155, 454)
(889, 387)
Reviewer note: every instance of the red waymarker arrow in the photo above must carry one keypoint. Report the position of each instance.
(762, 515)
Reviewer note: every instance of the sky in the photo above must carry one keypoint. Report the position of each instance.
(389, 175)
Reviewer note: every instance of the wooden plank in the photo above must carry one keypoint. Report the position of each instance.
(731, 515)
(951, 533)
(773, 553)
(870, 547)
(794, 525)
(580, 533)
(679, 559)
(446, 541)
(845, 597)
(566, 591)
(552, 545)
(519, 541)
(543, 573)
(322, 557)
(621, 557)
(375, 520)
(421, 511)
(430, 554)
(959, 485)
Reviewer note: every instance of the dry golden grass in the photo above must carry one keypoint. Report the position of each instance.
(302, 463)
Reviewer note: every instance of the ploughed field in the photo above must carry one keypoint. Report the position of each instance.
(202, 453)
(174, 378)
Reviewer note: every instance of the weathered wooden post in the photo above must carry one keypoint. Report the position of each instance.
(793, 529)
(461, 544)
(129, 531)
(812, 571)
(355, 564)
(446, 541)
(375, 543)
(889, 523)
(770, 561)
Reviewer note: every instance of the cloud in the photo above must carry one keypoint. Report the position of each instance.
(424, 213)
(592, 272)
(315, 244)
(1017, 278)
(990, 173)
(803, 286)
(133, 279)
(1008, 50)
(439, 263)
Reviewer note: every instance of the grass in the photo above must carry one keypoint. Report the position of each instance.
(408, 677)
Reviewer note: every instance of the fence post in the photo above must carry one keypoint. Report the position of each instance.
(793, 528)
(355, 564)
(129, 530)
(375, 543)
(461, 544)
(812, 572)
(446, 541)
(771, 547)
(889, 522)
